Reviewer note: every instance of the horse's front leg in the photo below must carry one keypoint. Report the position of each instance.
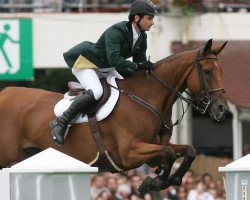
(189, 154)
(167, 158)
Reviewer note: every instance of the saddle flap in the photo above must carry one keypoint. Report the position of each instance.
(103, 99)
(103, 111)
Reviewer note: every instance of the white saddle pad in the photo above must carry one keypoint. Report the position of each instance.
(102, 113)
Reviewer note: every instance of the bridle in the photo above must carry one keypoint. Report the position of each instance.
(206, 99)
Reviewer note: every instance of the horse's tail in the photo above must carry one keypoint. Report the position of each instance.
(1, 89)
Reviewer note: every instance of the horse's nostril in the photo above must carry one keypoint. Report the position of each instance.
(221, 108)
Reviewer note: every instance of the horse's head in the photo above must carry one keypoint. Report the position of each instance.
(205, 82)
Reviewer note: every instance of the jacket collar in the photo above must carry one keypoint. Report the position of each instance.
(130, 37)
(130, 33)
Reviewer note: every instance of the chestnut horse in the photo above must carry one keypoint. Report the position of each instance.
(134, 133)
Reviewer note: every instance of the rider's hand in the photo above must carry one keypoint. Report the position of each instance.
(146, 65)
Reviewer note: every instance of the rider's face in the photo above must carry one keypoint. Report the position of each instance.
(146, 22)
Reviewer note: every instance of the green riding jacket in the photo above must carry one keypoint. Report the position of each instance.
(111, 50)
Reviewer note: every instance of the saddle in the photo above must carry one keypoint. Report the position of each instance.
(76, 88)
(103, 160)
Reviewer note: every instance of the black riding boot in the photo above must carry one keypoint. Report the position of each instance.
(79, 105)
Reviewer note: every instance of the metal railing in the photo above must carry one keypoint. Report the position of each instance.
(62, 5)
(110, 5)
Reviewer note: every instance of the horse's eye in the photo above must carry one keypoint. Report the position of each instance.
(207, 72)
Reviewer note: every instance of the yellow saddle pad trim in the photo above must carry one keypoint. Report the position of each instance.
(83, 63)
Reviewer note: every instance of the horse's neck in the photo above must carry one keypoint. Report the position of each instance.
(173, 71)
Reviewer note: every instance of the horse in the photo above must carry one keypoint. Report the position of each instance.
(137, 131)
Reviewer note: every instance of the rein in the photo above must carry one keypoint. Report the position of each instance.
(145, 104)
(205, 95)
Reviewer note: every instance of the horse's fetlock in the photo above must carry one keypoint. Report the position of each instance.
(191, 153)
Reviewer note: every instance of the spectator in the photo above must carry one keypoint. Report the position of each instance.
(207, 180)
(220, 189)
(123, 192)
(199, 193)
(123, 179)
(189, 183)
(98, 186)
(169, 193)
(213, 192)
(104, 195)
(112, 184)
(115, 187)
(148, 196)
(131, 173)
(135, 182)
(181, 193)
(189, 174)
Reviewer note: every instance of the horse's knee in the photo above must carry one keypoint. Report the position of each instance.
(191, 153)
(169, 154)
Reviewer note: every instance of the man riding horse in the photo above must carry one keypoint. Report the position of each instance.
(90, 61)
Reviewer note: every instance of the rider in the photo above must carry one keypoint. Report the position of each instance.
(89, 60)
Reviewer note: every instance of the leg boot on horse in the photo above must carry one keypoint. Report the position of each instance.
(79, 105)
(163, 171)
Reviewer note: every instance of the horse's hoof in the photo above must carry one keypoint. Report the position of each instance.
(176, 181)
(146, 186)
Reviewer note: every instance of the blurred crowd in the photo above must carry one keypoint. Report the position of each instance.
(124, 186)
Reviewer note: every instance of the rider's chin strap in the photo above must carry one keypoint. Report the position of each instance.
(139, 26)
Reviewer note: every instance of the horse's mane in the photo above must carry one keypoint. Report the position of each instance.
(171, 58)
(174, 56)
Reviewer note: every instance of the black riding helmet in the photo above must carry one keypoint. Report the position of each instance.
(141, 8)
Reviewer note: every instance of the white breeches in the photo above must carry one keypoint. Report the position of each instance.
(89, 80)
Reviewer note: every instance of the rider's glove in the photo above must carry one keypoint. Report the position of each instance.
(146, 65)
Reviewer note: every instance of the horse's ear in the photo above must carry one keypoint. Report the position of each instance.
(217, 50)
(207, 48)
